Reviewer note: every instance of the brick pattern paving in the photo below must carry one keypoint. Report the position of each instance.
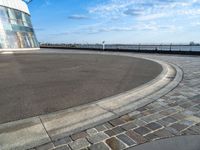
(177, 113)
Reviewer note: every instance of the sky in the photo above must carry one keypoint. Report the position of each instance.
(116, 21)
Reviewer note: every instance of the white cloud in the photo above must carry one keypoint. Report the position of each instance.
(196, 24)
(145, 9)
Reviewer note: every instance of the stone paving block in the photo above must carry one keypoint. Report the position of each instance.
(188, 94)
(169, 120)
(136, 137)
(179, 109)
(189, 132)
(151, 118)
(45, 146)
(134, 114)
(197, 106)
(79, 135)
(59, 142)
(97, 137)
(163, 123)
(162, 102)
(148, 112)
(173, 104)
(142, 109)
(153, 126)
(151, 137)
(163, 133)
(118, 130)
(139, 122)
(187, 122)
(159, 109)
(99, 146)
(193, 118)
(196, 97)
(115, 144)
(178, 116)
(63, 147)
(155, 104)
(196, 129)
(68, 139)
(188, 112)
(186, 105)
(129, 125)
(116, 122)
(85, 148)
(179, 127)
(127, 140)
(79, 144)
(108, 125)
(92, 131)
(197, 114)
(126, 118)
(168, 111)
(142, 130)
(196, 101)
(110, 133)
(194, 109)
(173, 131)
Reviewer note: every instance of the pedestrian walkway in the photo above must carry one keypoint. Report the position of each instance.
(175, 114)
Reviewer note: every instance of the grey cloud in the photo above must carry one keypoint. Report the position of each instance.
(133, 12)
(77, 17)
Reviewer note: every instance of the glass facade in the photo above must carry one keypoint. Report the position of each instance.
(16, 30)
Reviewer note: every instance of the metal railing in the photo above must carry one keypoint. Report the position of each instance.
(133, 47)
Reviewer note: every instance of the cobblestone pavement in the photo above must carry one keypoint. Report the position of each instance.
(177, 113)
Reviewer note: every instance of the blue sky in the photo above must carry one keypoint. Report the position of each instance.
(116, 21)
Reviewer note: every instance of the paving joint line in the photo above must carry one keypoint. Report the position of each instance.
(108, 110)
(46, 131)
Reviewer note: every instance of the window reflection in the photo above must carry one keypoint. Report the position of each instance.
(16, 29)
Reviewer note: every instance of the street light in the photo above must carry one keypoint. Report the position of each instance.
(103, 44)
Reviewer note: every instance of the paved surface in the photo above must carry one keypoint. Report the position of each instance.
(175, 114)
(35, 84)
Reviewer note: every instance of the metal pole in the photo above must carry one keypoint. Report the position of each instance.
(190, 48)
(170, 48)
(103, 45)
(139, 47)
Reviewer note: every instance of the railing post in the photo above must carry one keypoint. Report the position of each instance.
(103, 44)
(139, 47)
(190, 48)
(170, 47)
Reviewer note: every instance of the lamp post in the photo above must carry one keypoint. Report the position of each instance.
(103, 45)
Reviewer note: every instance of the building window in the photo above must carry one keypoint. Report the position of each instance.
(16, 30)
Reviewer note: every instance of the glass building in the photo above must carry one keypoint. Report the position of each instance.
(16, 30)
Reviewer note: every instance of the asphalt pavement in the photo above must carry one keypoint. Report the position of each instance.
(36, 84)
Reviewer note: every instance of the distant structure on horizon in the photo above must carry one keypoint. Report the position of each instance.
(16, 30)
